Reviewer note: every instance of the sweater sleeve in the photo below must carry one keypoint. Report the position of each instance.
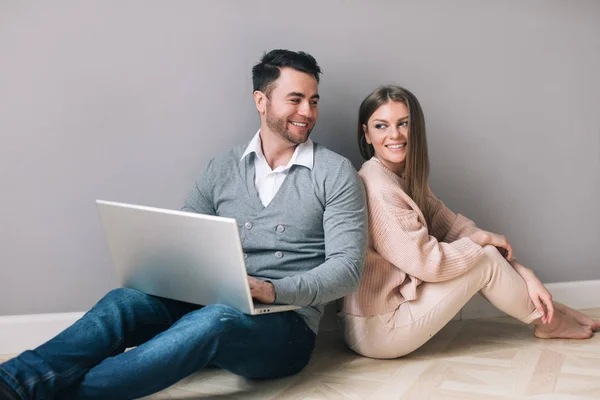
(345, 229)
(447, 226)
(200, 197)
(402, 238)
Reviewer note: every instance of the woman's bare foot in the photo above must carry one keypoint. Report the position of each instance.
(578, 316)
(563, 326)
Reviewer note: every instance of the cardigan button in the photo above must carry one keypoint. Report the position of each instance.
(248, 225)
(280, 228)
(278, 254)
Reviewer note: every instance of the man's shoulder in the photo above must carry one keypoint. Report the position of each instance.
(227, 160)
(325, 157)
(333, 169)
(234, 153)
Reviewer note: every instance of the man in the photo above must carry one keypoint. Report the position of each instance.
(302, 220)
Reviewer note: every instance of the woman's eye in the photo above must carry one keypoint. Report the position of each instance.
(403, 123)
(379, 126)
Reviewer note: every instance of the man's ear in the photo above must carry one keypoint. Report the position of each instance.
(260, 100)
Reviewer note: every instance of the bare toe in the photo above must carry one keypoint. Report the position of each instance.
(563, 327)
(580, 317)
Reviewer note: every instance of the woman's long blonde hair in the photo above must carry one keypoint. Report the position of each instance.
(416, 171)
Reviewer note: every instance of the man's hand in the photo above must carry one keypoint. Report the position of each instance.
(261, 290)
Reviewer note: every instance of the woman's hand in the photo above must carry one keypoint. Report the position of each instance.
(540, 296)
(484, 238)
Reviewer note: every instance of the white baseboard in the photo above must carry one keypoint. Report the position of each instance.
(22, 332)
(579, 295)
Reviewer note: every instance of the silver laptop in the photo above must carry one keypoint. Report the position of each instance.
(183, 256)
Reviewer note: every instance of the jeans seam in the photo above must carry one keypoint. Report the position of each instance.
(39, 379)
(71, 371)
(15, 384)
(43, 379)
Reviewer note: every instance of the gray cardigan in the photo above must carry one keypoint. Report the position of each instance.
(309, 241)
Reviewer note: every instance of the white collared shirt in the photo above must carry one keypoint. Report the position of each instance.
(267, 180)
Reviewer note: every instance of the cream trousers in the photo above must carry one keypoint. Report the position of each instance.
(413, 323)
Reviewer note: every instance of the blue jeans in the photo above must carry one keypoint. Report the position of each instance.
(172, 340)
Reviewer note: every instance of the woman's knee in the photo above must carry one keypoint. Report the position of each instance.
(492, 253)
(492, 265)
(492, 259)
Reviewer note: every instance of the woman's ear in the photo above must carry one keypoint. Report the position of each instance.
(366, 132)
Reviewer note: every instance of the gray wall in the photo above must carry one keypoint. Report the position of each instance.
(127, 100)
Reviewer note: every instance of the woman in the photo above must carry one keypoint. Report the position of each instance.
(423, 261)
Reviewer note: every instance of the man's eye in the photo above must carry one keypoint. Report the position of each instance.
(296, 101)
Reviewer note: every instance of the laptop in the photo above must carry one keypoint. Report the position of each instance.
(184, 256)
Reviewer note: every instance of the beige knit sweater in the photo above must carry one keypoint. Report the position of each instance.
(403, 251)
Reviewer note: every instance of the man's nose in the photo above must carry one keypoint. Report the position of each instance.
(304, 109)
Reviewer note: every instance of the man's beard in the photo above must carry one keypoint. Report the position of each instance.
(280, 127)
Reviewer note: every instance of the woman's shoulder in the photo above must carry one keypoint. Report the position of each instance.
(381, 184)
(373, 173)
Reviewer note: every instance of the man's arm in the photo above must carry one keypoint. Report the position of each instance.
(200, 198)
(345, 227)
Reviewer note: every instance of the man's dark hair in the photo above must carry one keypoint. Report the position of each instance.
(268, 69)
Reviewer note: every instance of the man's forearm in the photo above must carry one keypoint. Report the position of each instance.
(331, 280)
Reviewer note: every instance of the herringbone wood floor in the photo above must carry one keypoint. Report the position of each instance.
(495, 358)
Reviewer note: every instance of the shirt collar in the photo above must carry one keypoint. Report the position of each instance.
(303, 154)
